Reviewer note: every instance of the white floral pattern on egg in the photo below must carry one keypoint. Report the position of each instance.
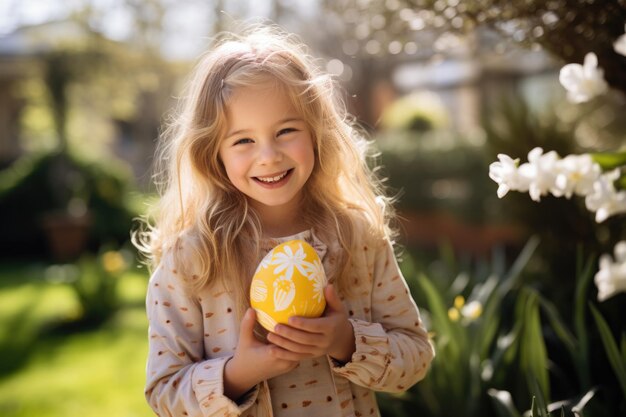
(258, 291)
(284, 293)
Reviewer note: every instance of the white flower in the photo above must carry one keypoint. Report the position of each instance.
(611, 278)
(505, 174)
(576, 174)
(620, 44)
(583, 82)
(605, 200)
(539, 173)
(472, 310)
(316, 274)
(288, 260)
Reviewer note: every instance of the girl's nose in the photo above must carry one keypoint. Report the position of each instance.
(269, 153)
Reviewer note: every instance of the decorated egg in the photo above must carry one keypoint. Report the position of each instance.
(288, 282)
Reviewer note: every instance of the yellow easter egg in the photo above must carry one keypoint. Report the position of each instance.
(288, 282)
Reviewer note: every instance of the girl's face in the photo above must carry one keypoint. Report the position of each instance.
(268, 150)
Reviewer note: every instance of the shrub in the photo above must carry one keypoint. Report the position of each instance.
(38, 185)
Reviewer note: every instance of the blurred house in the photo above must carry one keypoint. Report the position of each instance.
(23, 56)
(471, 74)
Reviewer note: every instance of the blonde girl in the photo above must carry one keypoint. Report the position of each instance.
(261, 152)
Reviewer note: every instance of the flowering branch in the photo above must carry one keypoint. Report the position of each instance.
(575, 174)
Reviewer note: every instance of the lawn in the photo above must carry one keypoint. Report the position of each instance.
(51, 371)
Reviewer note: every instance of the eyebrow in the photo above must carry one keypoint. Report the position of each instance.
(280, 122)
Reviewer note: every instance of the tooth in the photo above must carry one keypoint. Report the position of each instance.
(273, 179)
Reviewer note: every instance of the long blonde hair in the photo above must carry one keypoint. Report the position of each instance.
(200, 208)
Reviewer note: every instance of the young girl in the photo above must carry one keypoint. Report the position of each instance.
(262, 152)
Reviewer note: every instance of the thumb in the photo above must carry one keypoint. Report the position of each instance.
(333, 302)
(246, 331)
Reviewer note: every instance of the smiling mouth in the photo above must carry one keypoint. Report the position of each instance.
(274, 179)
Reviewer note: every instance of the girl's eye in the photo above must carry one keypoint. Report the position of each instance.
(286, 130)
(243, 141)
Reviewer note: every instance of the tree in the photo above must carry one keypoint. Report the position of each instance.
(568, 29)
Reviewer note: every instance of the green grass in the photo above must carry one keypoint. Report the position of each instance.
(46, 371)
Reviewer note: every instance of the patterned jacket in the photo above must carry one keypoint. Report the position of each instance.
(192, 337)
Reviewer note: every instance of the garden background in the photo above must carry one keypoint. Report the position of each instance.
(506, 286)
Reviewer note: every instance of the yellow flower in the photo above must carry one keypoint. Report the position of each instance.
(113, 262)
(469, 312)
(453, 314)
(459, 302)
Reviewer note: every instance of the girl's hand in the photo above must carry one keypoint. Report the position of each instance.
(255, 361)
(331, 334)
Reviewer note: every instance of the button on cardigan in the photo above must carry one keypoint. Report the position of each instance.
(191, 337)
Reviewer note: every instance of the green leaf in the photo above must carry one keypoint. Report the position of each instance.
(610, 347)
(439, 312)
(435, 302)
(534, 412)
(459, 284)
(505, 344)
(559, 327)
(503, 403)
(491, 312)
(520, 263)
(483, 292)
(584, 275)
(534, 355)
(490, 324)
(623, 347)
(537, 394)
(511, 351)
(609, 160)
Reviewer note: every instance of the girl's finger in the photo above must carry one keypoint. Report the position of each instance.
(299, 336)
(286, 355)
(333, 302)
(247, 326)
(318, 325)
(290, 345)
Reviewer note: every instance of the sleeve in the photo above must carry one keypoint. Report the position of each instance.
(180, 381)
(393, 351)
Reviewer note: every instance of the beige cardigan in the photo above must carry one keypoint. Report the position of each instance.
(192, 337)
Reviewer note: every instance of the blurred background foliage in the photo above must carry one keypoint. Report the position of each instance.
(441, 86)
